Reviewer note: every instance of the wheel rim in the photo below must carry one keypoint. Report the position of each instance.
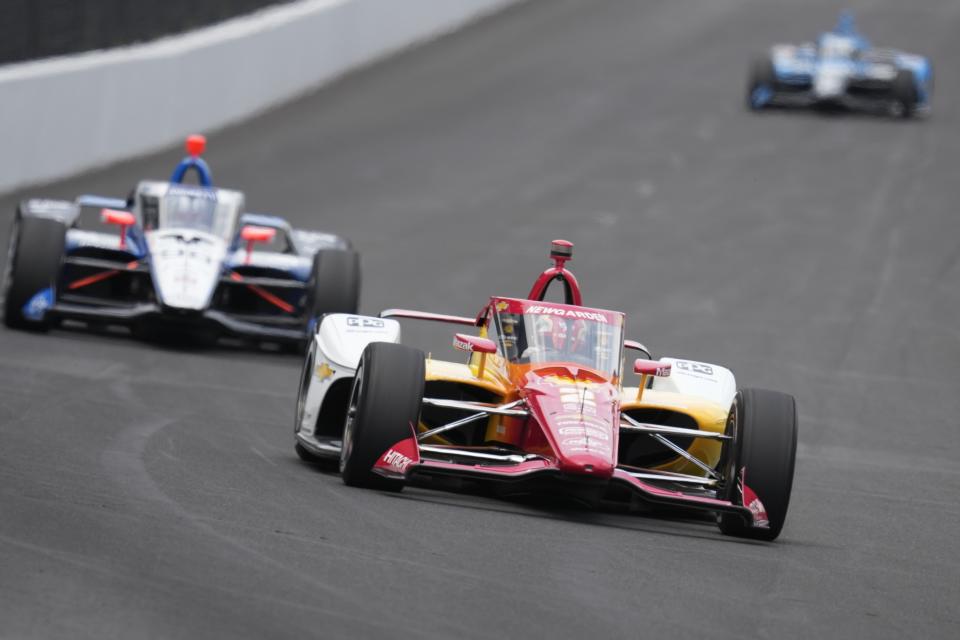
(346, 449)
(729, 460)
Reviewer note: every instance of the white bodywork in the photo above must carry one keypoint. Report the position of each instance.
(334, 354)
(794, 59)
(689, 377)
(186, 262)
(186, 266)
(832, 66)
(830, 79)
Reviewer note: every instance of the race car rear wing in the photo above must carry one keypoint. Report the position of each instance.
(426, 315)
(101, 202)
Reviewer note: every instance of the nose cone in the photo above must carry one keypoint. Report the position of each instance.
(830, 80)
(597, 465)
(186, 268)
(578, 420)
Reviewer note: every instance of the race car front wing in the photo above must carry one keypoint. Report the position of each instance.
(408, 460)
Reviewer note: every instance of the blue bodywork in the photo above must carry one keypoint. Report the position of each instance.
(204, 176)
(37, 306)
(842, 67)
(103, 277)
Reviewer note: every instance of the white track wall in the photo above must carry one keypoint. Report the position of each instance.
(65, 115)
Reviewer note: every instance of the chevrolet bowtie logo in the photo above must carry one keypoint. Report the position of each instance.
(324, 371)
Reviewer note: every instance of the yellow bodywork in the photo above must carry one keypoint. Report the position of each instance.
(710, 416)
(467, 374)
(492, 381)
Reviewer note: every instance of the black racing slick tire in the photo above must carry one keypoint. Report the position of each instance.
(335, 282)
(34, 260)
(384, 409)
(905, 94)
(763, 451)
(762, 77)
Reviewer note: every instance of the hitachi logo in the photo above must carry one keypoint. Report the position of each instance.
(397, 460)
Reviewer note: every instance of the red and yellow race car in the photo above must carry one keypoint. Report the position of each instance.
(538, 406)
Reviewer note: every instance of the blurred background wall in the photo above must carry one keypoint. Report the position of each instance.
(32, 29)
(66, 114)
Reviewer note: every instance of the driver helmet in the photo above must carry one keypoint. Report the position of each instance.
(561, 334)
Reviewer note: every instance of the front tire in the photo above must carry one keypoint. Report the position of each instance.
(384, 409)
(762, 83)
(763, 451)
(34, 262)
(335, 282)
(905, 94)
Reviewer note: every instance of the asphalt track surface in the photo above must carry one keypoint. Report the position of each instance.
(147, 491)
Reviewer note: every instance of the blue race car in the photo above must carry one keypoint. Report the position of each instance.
(841, 70)
(181, 260)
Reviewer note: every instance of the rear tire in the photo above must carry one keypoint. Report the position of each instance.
(905, 94)
(764, 446)
(762, 83)
(335, 282)
(30, 271)
(384, 409)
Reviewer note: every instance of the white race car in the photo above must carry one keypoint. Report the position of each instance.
(182, 259)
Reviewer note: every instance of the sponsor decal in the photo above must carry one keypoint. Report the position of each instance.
(586, 409)
(577, 419)
(397, 461)
(192, 192)
(502, 305)
(462, 345)
(592, 448)
(567, 313)
(584, 438)
(589, 432)
(324, 371)
(694, 367)
(585, 442)
(365, 323)
(37, 306)
(752, 502)
(578, 398)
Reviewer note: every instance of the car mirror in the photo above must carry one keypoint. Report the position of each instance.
(651, 368)
(474, 344)
(647, 368)
(252, 233)
(122, 219)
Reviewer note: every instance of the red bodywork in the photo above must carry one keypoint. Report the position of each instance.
(568, 441)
